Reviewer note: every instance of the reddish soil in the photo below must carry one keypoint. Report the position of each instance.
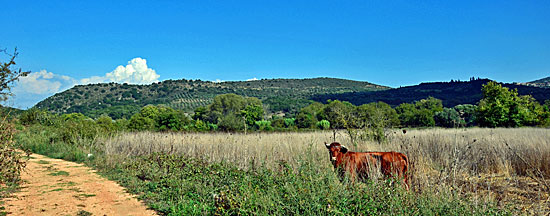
(58, 187)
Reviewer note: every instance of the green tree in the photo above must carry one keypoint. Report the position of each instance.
(501, 107)
(449, 117)
(307, 117)
(139, 123)
(430, 103)
(421, 113)
(376, 118)
(230, 109)
(263, 125)
(290, 122)
(323, 125)
(252, 113)
(406, 112)
(467, 113)
(339, 114)
(201, 113)
(159, 117)
(278, 123)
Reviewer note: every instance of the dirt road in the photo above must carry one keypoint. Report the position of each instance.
(58, 187)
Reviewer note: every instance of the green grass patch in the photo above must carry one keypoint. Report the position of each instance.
(57, 189)
(42, 162)
(83, 213)
(84, 195)
(66, 184)
(59, 173)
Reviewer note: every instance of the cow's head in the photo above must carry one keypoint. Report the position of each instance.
(336, 150)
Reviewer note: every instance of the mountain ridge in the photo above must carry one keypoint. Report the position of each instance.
(451, 93)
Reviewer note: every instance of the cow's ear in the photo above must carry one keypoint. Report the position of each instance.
(343, 149)
(327, 145)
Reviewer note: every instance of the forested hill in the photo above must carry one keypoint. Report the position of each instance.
(451, 93)
(122, 100)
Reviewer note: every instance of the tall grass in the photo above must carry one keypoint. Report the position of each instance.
(503, 166)
(453, 171)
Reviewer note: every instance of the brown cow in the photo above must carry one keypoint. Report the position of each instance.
(360, 164)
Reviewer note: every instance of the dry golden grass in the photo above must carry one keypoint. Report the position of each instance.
(504, 165)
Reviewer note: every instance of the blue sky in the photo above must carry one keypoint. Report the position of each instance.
(393, 43)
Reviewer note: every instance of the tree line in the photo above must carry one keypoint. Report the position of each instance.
(499, 107)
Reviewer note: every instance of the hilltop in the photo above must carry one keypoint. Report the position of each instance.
(122, 100)
(451, 93)
(544, 83)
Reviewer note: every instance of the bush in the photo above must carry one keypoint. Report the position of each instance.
(11, 160)
(263, 125)
(323, 125)
(290, 122)
(278, 123)
(448, 118)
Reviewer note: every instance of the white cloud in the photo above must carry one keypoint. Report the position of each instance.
(253, 79)
(37, 86)
(135, 72)
(43, 82)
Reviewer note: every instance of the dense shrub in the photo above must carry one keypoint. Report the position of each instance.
(12, 161)
(323, 125)
(449, 117)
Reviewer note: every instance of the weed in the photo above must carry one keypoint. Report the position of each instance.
(59, 173)
(83, 213)
(66, 184)
(43, 162)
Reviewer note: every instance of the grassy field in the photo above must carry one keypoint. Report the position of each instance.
(454, 171)
(499, 166)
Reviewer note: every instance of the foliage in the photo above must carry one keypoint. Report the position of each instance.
(467, 113)
(419, 114)
(36, 116)
(252, 113)
(160, 118)
(307, 118)
(376, 118)
(449, 117)
(290, 122)
(12, 161)
(263, 125)
(231, 122)
(323, 125)
(278, 123)
(501, 107)
(9, 74)
(338, 113)
(232, 112)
